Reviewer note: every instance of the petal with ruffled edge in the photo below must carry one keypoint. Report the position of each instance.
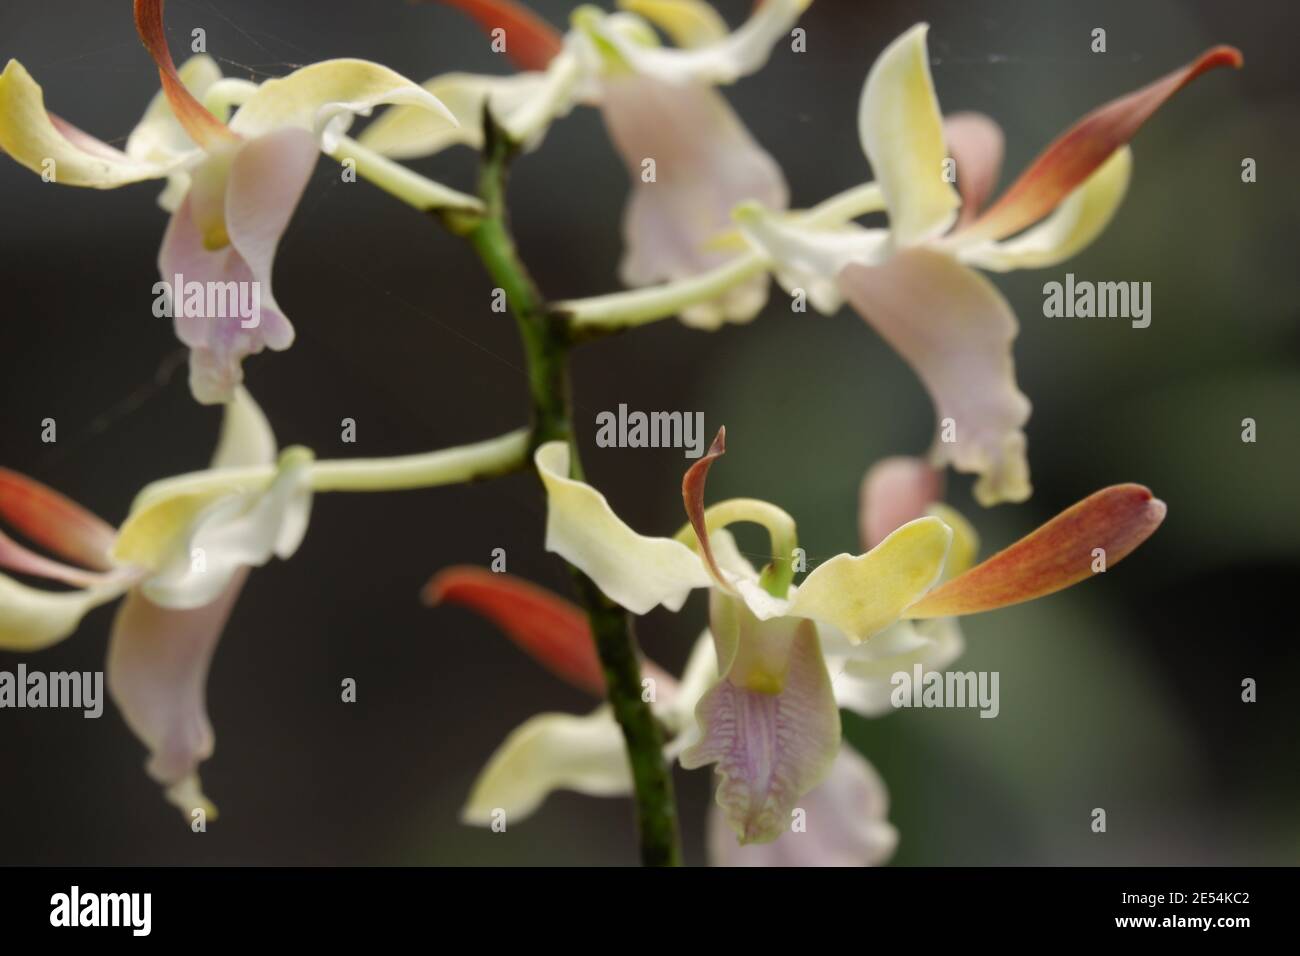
(862, 595)
(636, 571)
(901, 130)
(550, 752)
(846, 820)
(158, 662)
(31, 136)
(266, 178)
(705, 163)
(1073, 157)
(1067, 231)
(1062, 552)
(771, 746)
(955, 330)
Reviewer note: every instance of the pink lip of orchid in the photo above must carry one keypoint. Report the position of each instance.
(180, 560)
(234, 186)
(912, 282)
(658, 103)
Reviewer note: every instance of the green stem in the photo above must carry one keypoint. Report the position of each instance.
(394, 178)
(546, 345)
(446, 466)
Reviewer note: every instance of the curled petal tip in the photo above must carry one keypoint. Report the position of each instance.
(1221, 55)
(204, 128)
(693, 483)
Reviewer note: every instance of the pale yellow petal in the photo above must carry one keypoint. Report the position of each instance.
(636, 571)
(325, 96)
(56, 149)
(865, 594)
(550, 752)
(32, 619)
(901, 129)
(690, 23)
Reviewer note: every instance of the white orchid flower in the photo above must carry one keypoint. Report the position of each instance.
(913, 282)
(770, 722)
(180, 558)
(690, 158)
(232, 187)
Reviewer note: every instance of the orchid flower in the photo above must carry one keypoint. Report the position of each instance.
(662, 110)
(846, 815)
(180, 559)
(770, 722)
(1105, 527)
(913, 282)
(233, 187)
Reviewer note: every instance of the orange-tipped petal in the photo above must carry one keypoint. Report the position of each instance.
(204, 128)
(531, 42)
(1077, 152)
(693, 497)
(1060, 553)
(55, 522)
(549, 628)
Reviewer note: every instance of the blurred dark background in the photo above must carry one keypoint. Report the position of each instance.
(1123, 693)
